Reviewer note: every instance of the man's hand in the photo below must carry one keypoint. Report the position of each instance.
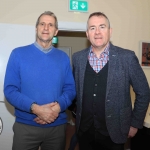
(56, 107)
(40, 121)
(132, 132)
(46, 113)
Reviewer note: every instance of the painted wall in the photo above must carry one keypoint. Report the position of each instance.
(129, 19)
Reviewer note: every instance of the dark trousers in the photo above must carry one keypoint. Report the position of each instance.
(28, 137)
(93, 140)
(141, 139)
(73, 142)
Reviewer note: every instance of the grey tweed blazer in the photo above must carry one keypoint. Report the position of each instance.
(124, 71)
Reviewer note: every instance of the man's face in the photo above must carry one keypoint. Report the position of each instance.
(98, 31)
(46, 29)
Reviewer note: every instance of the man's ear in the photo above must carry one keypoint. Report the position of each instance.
(87, 35)
(56, 32)
(110, 32)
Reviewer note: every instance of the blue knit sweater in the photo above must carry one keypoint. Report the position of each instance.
(34, 76)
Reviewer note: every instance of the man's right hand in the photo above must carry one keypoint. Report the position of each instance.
(45, 113)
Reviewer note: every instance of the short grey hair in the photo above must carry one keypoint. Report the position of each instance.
(98, 14)
(49, 13)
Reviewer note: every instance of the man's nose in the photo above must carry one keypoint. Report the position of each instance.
(97, 30)
(46, 27)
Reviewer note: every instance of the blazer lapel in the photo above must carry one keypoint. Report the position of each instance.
(113, 56)
(83, 62)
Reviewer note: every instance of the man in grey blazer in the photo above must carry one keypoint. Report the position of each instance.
(104, 74)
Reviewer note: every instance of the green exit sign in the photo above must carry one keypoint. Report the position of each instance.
(78, 5)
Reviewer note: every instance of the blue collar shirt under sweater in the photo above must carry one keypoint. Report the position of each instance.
(34, 76)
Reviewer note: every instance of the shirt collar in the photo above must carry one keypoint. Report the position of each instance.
(41, 48)
(106, 50)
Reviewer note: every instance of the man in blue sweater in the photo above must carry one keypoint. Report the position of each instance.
(40, 85)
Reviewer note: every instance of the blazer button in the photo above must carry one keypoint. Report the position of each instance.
(109, 116)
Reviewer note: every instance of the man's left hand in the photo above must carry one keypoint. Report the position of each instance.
(132, 132)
